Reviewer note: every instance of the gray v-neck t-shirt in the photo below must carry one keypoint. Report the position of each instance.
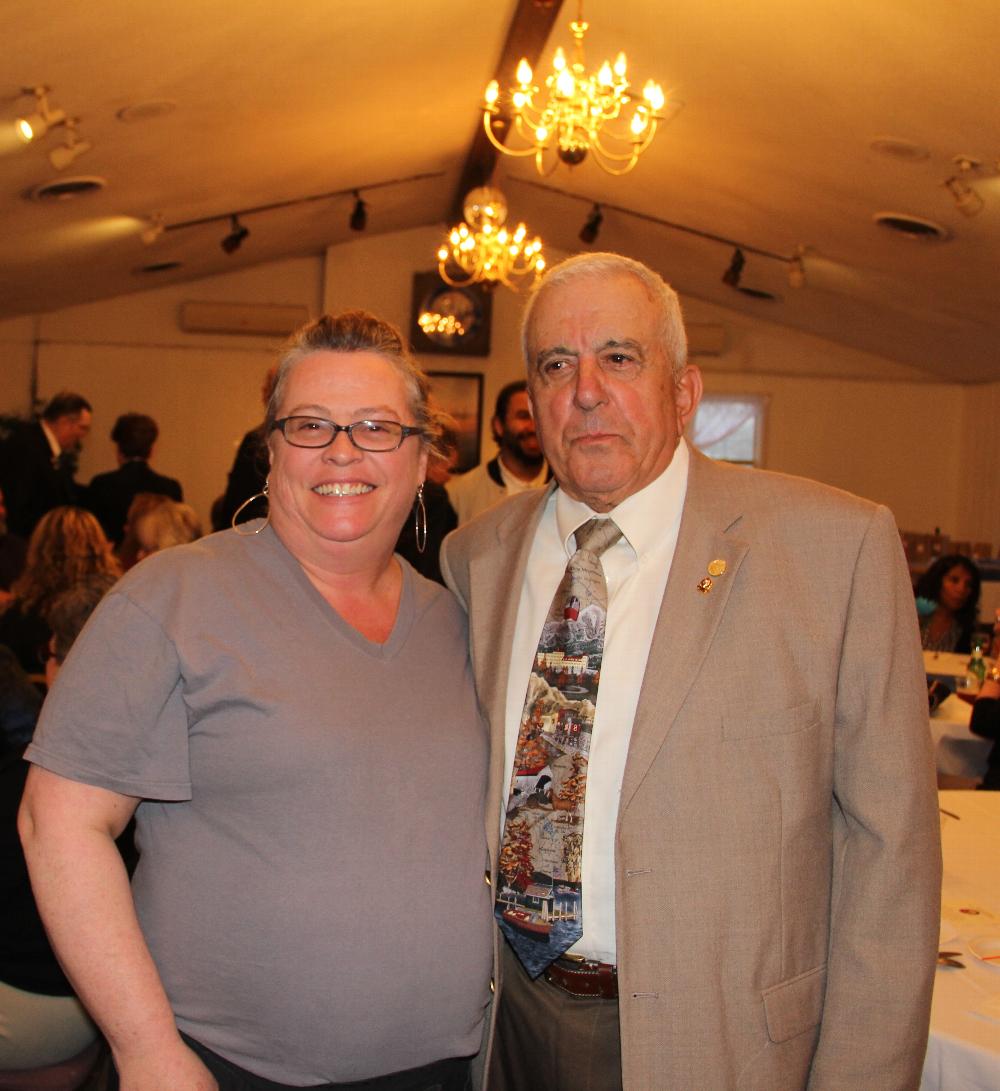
(311, 881)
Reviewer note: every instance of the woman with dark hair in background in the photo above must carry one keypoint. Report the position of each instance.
(948, 602)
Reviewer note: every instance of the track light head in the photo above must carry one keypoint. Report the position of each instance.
(154, 228)
(592, 226)
(35, 125)
(359, 214)
(64, 154)
(797, 270)
(732, 275)
(234, 240)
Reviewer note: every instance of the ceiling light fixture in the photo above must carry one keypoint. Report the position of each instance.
(735, 270)
(64, 154)
(592, 226)
(967, 200)
(234, 240)
(797, 269)
(155, 226)
(582, 113)
(482, 249)
(359, 215)
(35, 125)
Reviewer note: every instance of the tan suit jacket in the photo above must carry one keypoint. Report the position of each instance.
(777, 853)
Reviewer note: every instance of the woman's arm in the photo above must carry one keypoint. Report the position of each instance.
(82, 890)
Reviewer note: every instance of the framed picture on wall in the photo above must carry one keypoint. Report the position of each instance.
(449, 321)
(460, 394)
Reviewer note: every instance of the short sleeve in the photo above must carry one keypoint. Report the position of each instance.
(116, 717)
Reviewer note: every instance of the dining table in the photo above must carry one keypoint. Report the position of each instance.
(957, 751)
(963, 1050)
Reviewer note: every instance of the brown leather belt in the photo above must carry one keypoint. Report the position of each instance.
(584, 978)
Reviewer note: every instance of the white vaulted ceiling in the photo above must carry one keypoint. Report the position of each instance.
(772, 148)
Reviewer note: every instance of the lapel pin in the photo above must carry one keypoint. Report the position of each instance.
(705, 585)
(717, 567)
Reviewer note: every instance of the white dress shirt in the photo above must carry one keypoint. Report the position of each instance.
(636, 569)
(514, 484)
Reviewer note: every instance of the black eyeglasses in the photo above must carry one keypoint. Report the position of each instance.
(366, 435)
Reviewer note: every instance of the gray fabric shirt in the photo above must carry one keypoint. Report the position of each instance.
(311, 880)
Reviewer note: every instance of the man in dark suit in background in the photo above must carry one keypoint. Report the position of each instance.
(109, 495)
(38, 461)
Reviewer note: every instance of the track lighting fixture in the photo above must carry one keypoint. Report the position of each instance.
(967, 200)
(797, 269)
(155, 226)
(359, 215)
(732, 275)
(37, 124)
(64, 154)
(591, 226)
(234, 240)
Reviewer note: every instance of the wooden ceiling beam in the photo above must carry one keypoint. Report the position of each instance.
(527, 34)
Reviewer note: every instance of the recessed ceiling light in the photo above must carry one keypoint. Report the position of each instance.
(146, 111)
(913, 227)
(897, 148)
(65, 189)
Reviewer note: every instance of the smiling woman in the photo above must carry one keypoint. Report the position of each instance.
(276, 704)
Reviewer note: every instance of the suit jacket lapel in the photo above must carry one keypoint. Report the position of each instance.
(688, 616)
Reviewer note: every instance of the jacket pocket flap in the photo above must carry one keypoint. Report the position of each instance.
(746, 724)
(794, 1005)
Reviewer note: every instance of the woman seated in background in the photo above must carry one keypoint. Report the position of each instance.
(142, 503)
(41, 1021)
(947, 603)
(165, 525)
(288, 709)
(67, 548)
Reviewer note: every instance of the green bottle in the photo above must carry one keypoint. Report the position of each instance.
(977, 666)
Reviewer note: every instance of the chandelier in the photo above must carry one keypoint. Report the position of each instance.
(483, 249)
(581, 113)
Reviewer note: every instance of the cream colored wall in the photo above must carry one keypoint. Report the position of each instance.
(129, 354)
(853, 420)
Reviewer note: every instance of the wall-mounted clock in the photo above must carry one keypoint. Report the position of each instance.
(448, 320)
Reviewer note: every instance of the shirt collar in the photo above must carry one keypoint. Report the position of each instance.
(642, 516)
(53, 442)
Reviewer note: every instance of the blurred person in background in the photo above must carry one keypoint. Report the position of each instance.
(249, 469)
(518, 465)
(41, 1020)
(421, 537)
(110, 494)
(13, 551)
(38, 461)
(67, 548)
(948, 603)
(165, 525)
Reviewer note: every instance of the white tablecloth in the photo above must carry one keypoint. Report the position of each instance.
(963, 1053)
(958, 751)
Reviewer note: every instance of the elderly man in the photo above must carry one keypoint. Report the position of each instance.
(38, 461)
(518, 465)
(753, 899)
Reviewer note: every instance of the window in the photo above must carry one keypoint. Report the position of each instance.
(730, 427)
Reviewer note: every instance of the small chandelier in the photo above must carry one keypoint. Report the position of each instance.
(582, 113)
(483, 249)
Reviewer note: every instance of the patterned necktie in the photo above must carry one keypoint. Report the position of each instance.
(540, 891)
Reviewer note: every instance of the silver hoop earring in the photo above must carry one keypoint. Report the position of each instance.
(264, 493)
(420, 520)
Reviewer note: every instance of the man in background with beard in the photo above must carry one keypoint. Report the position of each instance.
(519, 464)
